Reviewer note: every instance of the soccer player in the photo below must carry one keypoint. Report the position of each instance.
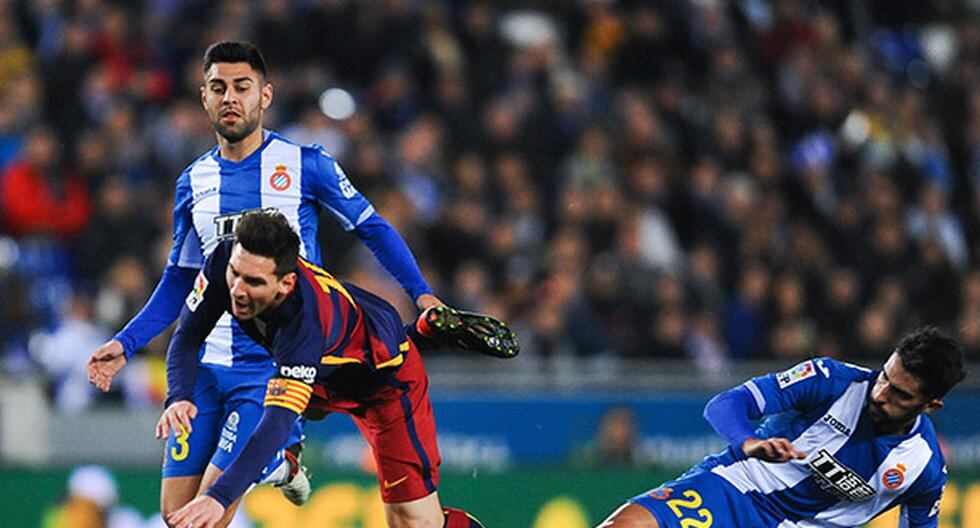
(254, 169)
(839, 445)
(339, 349)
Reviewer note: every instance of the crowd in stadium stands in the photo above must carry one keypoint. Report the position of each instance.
(688, 178)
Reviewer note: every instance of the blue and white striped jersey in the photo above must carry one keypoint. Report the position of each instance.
(850, 475)
(213, 193)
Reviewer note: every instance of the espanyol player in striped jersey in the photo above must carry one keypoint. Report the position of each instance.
(838, 445)
(256, 169)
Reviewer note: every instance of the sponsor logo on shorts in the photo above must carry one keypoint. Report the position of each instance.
(392, 484)
(838, 479)
(798, 373)
(894, 477)
(661, 493)
(304, 373)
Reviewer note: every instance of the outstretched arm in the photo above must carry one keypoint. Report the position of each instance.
(158, 313)
(393, 253)
(730, 414)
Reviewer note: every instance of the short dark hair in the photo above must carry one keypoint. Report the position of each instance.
(267, 233)
(934, 358)
(234, 51)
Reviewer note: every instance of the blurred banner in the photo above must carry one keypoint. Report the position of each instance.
(540, 498)
(498, 431)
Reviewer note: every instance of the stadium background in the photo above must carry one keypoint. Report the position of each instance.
(664, 198)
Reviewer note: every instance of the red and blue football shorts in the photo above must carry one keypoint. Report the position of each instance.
(400, 427)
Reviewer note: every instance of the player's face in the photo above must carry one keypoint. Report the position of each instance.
(253, 283)
(235, 97)
(895, 399)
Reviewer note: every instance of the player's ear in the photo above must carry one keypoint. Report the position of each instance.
(204, 100)
(267, 92)
(933, 406)
(287, 282)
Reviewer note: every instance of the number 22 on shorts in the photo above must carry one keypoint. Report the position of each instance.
(693, 502)
(183, 449)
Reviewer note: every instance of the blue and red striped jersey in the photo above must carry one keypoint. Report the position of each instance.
(325, 324)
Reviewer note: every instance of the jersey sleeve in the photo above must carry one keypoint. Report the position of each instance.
(186, 250)
(922, 509)
(298, 350)
(334, 192)
(204, 305)
(801, 387)
(184, 261)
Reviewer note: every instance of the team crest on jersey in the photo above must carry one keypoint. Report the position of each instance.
(196, 296)
(280, 179)
(894, 477)
(661, 493)
(277, 387)
(798, 373)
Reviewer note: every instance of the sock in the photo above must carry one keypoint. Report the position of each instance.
(280, 475)
(456, 518)
(422, 325)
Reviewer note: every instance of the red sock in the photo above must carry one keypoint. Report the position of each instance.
(456, 518)
(422, 325)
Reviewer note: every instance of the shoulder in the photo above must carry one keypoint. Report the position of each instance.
(823, 368)
(205, 158)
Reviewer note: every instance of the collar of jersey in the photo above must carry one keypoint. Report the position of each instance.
(250, 159)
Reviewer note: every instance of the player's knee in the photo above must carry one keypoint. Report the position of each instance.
(630, 516)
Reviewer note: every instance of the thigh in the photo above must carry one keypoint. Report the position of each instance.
(425, 511)
(187, 454)
(630, 516)
(700, 500)
(402, 433)
(242, 411)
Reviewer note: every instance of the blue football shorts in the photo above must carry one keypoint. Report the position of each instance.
(700, 499)
(229, 404)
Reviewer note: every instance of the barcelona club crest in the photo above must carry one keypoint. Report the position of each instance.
(280, 179)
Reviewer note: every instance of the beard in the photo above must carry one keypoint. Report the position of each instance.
(884, 422)
(238, 131)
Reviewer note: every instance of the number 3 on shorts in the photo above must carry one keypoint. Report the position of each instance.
(183, 449)
(693, 502)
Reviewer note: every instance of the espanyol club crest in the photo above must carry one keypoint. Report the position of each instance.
(280, 179)
(894, 477)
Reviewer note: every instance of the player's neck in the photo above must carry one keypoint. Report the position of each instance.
(240, 150)
(900, 429)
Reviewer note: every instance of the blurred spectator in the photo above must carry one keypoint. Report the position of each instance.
(39, 195)
(616, 442)
(63, 351)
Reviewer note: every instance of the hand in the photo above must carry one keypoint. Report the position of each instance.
(426, 301)
(202, 512)
(175, 418)
(771, 450)
(105, 363)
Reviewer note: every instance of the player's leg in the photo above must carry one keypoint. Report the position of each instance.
(244, 397)
(630, 516)
(186, 455)
(402, 435)
(698, 498)
(442, 326)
